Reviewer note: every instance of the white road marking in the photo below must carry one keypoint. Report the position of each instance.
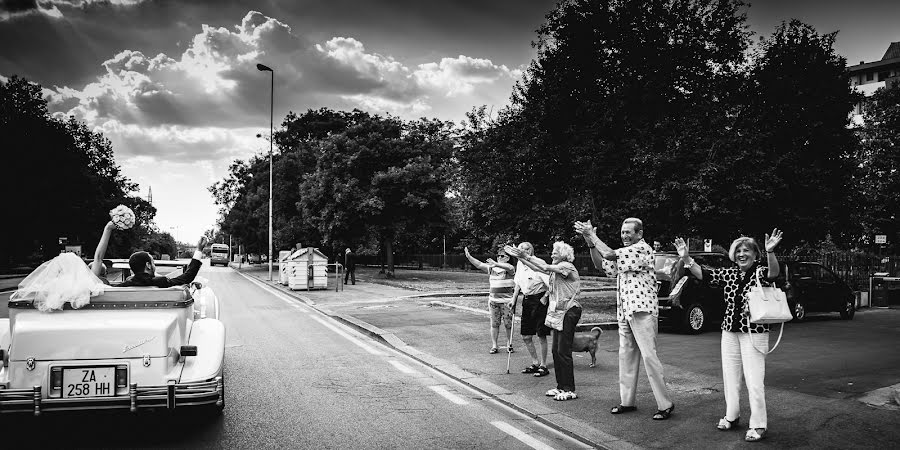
(448, 395)
(404, 368)
(290, 301)
(520, 435)
(350, 338)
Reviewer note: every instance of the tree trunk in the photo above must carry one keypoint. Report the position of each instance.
(389, 255)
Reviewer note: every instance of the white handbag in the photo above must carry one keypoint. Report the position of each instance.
(768, 305)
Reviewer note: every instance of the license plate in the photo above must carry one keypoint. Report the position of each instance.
(89, 382)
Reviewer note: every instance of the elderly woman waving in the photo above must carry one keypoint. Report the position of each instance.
(563, 311)
(744, 344)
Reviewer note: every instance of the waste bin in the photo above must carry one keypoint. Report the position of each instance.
(884, 290)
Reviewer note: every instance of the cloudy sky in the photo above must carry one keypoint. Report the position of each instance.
(174, 84)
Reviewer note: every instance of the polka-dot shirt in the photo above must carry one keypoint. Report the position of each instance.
(737, 285)
(634, 272)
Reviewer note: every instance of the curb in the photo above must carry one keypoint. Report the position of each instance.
(526, 406)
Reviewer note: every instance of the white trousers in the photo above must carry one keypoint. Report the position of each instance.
(741, 359)
(637, 341)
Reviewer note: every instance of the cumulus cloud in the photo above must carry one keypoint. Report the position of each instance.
(10, 9)
(182, 107)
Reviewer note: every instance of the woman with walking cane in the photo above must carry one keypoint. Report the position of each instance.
(501, 292)
(563, 311)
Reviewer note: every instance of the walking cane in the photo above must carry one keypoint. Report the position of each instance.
(512, 329)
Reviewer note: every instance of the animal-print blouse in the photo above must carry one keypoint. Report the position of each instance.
(737, 285)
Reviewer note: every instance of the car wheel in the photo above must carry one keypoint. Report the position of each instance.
(799, 312)
(694, 319)
(849, 310)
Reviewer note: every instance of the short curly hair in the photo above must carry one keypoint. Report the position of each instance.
(566, 252)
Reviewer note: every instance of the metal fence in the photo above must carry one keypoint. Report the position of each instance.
(459, 262)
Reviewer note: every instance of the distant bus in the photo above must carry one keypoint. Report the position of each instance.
(219, 255)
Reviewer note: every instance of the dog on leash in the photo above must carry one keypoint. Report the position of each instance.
(587, 342)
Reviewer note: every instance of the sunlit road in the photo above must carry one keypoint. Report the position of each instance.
(296, 379)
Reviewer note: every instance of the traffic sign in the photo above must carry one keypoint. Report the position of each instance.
(707, 245)
(63, 240)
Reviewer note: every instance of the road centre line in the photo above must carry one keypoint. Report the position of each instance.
(448, 395)
(520, 435)
(350, 338)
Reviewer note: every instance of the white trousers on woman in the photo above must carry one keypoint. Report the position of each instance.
(740, 357)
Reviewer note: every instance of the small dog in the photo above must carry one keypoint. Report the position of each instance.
(587, 342)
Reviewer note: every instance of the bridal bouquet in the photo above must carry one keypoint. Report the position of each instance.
(122, 216)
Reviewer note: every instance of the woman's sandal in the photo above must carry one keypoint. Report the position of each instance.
(565, 395)
(664, 414)
(531, 369)
(542, 371)
(553, 392)
(493, 350)
(725, 424)
(619, 409)
(755, 434)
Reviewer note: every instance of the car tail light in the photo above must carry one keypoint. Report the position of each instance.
(188, 350)
(121, 376)
(55, 379)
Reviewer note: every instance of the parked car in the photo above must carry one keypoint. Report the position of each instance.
(254, 259)
(685, 302)
(129, 348)
(812, 287)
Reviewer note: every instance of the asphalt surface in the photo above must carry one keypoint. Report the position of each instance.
(296, 378)
(815, 379)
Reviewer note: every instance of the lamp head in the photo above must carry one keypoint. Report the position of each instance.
(264, 68)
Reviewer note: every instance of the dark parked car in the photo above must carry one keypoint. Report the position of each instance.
(684, 301)
(812, 287)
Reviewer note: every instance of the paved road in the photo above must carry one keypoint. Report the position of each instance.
(298, 379)
(814, 379)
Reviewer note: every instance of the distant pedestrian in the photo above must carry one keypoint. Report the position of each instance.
(637, 311)
(500, 296)
(744, 344)
(533, 287)
(349, 266)
(563, 311)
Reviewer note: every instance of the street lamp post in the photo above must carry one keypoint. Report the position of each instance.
(264, 68)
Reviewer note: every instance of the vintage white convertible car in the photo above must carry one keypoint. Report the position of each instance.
(128, 348)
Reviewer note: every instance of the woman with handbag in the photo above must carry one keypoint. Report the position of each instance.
(744, 344)
(563, 311)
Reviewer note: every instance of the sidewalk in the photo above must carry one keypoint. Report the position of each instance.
(452, 343)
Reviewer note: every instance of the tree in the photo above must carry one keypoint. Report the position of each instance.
(615, 116)
(380, 178)
(879, 181)
(802, 152)
(70, 175)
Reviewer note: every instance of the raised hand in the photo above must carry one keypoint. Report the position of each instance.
(466, 251)
(585, 228)
(202, 243)
(490, 262)
(773, 240)
(514, 251)
(681, 246)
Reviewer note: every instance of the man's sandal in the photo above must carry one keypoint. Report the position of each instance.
(755, 434)
(725, 424)
(664, 414)
(531, 369)
(553, 392)
(542, 371)
(493, 350)
(619, 409)
(565, 395)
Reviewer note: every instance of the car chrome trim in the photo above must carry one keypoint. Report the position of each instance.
(28, 304)
(170, 395)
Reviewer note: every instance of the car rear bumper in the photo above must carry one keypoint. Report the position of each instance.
(171, 396)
